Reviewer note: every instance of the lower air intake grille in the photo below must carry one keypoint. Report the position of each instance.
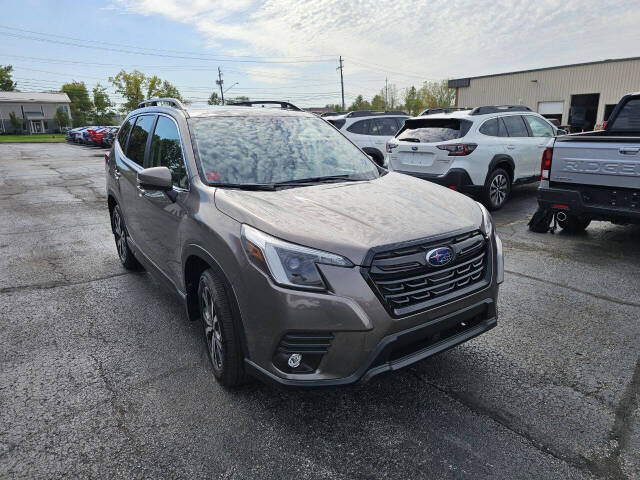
(406, 282)
(311, 347)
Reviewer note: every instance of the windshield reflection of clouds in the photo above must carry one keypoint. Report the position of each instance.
(275, 149)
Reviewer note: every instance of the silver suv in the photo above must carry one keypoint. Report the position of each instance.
(306, 263)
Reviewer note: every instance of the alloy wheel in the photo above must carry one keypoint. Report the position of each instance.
(212, 327)
(498, 189)
(120, 235)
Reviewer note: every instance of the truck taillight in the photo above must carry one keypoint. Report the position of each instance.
(458, 149)
(545, 166)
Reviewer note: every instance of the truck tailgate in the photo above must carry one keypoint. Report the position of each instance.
(607, 164)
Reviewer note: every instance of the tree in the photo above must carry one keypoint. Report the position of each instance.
(393, 99)
(131, 87)
(231, 101)
(214, 99)
(412, 101)
(378, 103)
(16, 123)
(81, 105)
(102, 106)
(437, 94)
(334, 107)
(136, 87)
(359, 104)
(6, 82)
(61, 118)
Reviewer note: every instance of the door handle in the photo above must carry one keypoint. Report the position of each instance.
(511, 147)
(628, 150)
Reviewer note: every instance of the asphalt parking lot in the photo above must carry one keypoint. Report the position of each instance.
(103, 376)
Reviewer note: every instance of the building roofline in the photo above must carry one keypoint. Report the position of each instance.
(609, 60)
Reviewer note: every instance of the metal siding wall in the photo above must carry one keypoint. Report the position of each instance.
(611, 80)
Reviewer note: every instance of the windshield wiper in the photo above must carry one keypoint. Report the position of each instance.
(326, 178)
(246, 186)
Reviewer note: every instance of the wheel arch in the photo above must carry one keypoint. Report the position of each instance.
(502, 161)
(195, 261)
(375, 153)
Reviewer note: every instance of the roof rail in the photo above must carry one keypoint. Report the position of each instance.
(369, 113)
(434, 110)
(172, 102)
(499, 108)
(283, 105)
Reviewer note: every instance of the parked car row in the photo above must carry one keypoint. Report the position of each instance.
(94, 135)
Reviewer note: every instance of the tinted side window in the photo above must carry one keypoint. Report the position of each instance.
(385, 126)
(539, 128)
(400, 122)
(138, 138)
(337, 123)
(363, 127)
(167, 152)
(628, 119)
(124, 133)
(490, 127)
(515, 126)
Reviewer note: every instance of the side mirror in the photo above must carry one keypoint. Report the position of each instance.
(155, 178)
(561, 132)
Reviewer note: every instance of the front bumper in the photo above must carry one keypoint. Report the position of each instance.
(456, 179)
(366, 339)
(594, 203)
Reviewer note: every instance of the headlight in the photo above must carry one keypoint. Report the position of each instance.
(487, 221)
(288, 264)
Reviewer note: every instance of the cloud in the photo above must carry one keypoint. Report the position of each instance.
(413, 39)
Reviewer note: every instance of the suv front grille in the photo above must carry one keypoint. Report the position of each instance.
(405, 282)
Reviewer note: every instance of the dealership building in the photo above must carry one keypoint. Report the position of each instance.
(580, 96)
(35, 110)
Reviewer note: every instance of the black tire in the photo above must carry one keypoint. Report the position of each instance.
(220, 334)
(377, 156)
(497, 189)
(541, 220)
(573, 224)
(120, 235)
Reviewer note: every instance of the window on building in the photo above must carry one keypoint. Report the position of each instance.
(166, 151)
(138, 138)
(608, 109)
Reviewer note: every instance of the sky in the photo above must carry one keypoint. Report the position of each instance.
(289, 50)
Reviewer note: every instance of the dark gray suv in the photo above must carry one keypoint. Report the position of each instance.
(306, 263)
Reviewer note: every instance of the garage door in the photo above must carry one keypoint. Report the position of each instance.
(550, 108)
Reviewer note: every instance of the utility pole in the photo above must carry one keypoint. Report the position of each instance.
(220, 82)
(386, 94)
(341, 82)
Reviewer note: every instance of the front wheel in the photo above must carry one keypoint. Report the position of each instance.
(573, 223)
(220, 333)
(496, 189)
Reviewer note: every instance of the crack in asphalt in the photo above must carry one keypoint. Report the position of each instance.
(112, 394)
(577, 290)
(56, 284)
(581, 463)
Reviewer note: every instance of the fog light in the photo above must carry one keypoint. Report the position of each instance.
(294, 360)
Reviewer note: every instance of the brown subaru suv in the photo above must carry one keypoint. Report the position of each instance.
(305, 261)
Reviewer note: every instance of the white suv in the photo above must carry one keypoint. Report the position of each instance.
(370, 130)
(483, 151)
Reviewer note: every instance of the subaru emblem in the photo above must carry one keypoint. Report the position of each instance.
(415, 149)
(440, 256)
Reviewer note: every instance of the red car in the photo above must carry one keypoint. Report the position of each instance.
(95, 135)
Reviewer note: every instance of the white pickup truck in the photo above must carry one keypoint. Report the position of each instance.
(593, 175)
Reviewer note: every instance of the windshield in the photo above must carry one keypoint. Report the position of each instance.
(275, 149)
(433, 130)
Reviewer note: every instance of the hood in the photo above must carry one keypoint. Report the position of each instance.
(352, 217)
